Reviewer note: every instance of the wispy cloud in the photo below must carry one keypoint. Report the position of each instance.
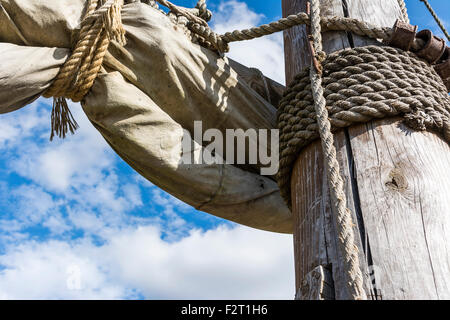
(224, 263)
(266, 54)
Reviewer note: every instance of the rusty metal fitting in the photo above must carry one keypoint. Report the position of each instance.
(442, 67)
(403, 35)
(434, 46)
(447, 84)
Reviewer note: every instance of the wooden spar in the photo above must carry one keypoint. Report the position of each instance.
(397, 184)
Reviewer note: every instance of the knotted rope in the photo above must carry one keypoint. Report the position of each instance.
(101, 24)
(367, 86)
(203, 11)
(360, 85)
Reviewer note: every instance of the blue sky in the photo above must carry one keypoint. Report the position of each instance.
(73, 208)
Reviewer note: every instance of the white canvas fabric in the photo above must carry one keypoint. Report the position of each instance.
(149, 91)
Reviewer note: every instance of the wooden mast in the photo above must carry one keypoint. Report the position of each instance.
(397, 183)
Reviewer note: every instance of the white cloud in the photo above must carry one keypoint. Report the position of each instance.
(59, 165)
(41, 271)
(133, 194)
(21, 124)
(266, 54)
(239, 263)
(8, 132)
(78, 174)
(57, 224)
(34, 204)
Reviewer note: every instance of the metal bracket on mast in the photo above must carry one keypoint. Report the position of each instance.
(318, 284)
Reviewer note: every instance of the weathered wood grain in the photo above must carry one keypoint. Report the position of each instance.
(295, 39)
(404, 189)
(395, 180)
(324, 242)
(377, 12)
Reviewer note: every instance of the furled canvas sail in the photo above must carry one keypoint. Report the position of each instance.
(148, 92)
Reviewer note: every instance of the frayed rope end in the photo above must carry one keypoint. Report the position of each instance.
(62, 119)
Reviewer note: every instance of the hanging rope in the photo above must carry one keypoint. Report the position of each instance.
(344, 221)
(435, 16)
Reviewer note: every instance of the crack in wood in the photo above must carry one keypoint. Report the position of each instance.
(428, 247)
(347, 15)
(375, 293)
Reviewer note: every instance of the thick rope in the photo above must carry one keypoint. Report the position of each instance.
(203, 13)
(435, 16)
(361, 85)
(404, 11)
(343, 217)
(220, 42)
(367, 87)
(101, 24)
